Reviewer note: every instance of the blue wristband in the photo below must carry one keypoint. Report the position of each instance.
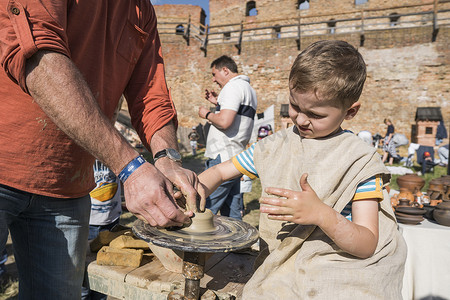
(131, 167)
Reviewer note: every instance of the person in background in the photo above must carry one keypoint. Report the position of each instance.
(389, 150)
(106, 208)
(441, 133)
(327, 228)
(65, 66)
(230, 131)
(193, 138)
(443, 155)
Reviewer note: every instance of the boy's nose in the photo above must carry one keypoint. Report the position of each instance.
(302, 120)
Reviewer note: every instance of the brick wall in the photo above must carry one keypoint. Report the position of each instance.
(405, 71)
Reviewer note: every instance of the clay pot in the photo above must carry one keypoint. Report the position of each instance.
(403, 202)
(405, 194)
(441, 213)
(412, 182)
(430, 210)
(434, 202)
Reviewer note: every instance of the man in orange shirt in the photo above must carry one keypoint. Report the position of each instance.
(65, 65)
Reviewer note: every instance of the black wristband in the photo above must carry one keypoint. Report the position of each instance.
(207, 114)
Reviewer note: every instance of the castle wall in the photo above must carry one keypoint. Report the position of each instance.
(406, 70)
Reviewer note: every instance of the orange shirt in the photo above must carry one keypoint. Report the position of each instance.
(116, 47)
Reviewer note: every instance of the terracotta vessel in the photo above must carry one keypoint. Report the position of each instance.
(442, 213)
(405, 194)
(412, 182)
(403, 202)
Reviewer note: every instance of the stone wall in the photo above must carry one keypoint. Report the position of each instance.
(406, 70)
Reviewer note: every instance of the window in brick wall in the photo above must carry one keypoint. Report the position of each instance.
(179, 29)
(303, 4)
(393, 19)
(276, 32)
(358, 2)
(226, 36)
(331, 26)
(251, 9)
(428, 130)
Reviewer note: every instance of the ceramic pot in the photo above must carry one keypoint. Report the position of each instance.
(405, 194)
(403, 202)
(430, 210)
(412, 182)
(442, 213)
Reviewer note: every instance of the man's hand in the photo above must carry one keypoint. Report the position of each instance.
(148, 195)
(202, 111)
(211, 96)
(302, 207)
(185, 180)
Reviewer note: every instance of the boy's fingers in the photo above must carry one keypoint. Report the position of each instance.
(278, 191)
(304, 183)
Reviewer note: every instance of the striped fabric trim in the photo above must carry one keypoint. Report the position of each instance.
(244, 162)
(370, 189)
(244, 110)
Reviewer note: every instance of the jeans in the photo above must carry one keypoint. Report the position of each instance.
(50, 242)
(86, 292)
(227, 198)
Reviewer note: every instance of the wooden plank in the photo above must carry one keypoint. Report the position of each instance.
(230, 274)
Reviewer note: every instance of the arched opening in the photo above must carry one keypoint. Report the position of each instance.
(331, 26)
(250, 9)
(303, 4)
(393, 19)
(179, 30)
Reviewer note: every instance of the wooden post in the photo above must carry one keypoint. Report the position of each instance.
(362, 37)
(298, 35)
(204, 45)
(239, 44)
(435, 24)
(187, 32)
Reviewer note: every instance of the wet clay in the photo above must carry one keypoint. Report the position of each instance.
(202, 222)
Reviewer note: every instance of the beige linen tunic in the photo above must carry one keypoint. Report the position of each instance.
(301, 262)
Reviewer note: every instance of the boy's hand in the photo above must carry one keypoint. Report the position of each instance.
(301, 207)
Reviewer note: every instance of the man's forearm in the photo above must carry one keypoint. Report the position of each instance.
(165, 137)
(58, 87)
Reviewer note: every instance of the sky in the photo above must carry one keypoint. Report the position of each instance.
(202, 3)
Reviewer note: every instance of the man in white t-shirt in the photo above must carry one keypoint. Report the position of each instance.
(232, 125)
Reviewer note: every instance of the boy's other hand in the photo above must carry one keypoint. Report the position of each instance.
(301, 207)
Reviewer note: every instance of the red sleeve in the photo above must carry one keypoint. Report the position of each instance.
(27, 26)
(149, 101)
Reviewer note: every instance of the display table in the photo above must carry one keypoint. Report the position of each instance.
(427, 267)
(225, 274)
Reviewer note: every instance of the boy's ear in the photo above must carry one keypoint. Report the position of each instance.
(353, 110)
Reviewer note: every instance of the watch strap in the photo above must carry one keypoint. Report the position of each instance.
(165, 153)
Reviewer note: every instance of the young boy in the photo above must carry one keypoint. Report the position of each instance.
(327, 227)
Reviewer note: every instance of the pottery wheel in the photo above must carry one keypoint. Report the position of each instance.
(229, 234)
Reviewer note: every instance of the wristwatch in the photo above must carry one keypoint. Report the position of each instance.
(169, 153)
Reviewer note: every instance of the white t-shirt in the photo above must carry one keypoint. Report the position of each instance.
(237, 95)
(106, 201)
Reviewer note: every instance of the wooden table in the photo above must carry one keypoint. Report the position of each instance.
(225, 274)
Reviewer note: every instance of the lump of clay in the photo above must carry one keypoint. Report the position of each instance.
(202, 222)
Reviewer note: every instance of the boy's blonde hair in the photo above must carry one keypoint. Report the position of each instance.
(333, 69)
